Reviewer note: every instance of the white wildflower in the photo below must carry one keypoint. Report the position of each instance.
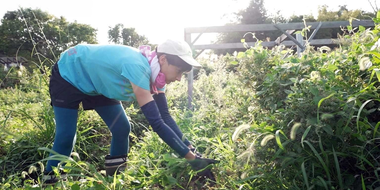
(324, 49)
(365, 63)
(251, 108)
(376, 45)
(315, 75)
(13, 64)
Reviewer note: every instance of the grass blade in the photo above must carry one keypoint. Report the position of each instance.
(320, 160)
(319, 105)
(363, 184)
(359, 112)
(365, 160)
(278, 140)
(304, 135)
(323, 150)
(323, 182)
(304, 175)
(295, 186)
(375, 130)
(338, 169)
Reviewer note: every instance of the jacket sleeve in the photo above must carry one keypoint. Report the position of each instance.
(162, 104)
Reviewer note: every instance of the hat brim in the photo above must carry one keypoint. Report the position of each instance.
(189, 60)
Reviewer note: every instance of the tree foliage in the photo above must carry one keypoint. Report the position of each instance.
(126, 36)
(342, 14)
(255, 13)
(35, 32)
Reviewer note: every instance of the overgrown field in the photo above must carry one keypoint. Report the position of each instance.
(273, 119)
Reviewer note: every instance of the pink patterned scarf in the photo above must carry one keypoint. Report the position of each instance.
(157, 78)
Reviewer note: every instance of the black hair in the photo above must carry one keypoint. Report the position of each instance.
(176, 61)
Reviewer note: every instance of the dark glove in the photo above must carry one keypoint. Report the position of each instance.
(200, 163)
(205, 173)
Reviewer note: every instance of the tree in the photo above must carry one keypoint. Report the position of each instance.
(126, 36)
(277, 18)
(302, 18)
(342, 14)
(114, 34)
(34, 32)
(255, 13)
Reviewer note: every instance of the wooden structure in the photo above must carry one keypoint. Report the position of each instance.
(13, 60)
(286, 29)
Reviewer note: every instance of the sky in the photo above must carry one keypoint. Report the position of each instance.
(159, 20)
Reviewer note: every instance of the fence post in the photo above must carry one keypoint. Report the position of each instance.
(299, 38)
(189, 77)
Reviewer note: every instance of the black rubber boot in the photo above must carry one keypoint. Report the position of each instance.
(49, 178)
(115, 164)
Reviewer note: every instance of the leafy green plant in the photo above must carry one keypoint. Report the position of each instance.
(319, 107)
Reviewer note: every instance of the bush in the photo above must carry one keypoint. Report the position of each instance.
(314, 115)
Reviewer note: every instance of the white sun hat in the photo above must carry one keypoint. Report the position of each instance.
(179, 48)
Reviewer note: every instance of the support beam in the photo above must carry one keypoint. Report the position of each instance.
(290, 37)
(283, 36)
(265, 44)
(199, 53)
(189, 77)
(271, 27)
(315, 31)
(199, 35)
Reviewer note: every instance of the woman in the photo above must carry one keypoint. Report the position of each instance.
(99, 77)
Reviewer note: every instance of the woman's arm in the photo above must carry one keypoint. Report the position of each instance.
(162, 104)
(152, 114)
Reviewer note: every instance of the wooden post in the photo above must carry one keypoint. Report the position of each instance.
(189, 77)
(300, 40)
